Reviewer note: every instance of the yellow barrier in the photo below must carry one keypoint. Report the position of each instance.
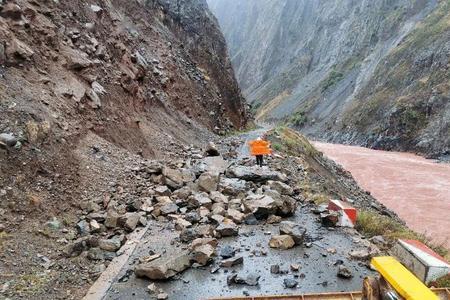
(402, 280)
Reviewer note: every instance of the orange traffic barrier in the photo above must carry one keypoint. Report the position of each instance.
(260, 147)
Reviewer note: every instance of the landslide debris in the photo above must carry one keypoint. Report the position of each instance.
(87, 89)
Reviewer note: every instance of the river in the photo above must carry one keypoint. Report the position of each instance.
(417, 189)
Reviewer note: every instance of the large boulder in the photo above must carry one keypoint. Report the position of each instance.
(215, 164)
(281, 187)
(232, 186)
(255, 174)
(261, 206)
(164, 268)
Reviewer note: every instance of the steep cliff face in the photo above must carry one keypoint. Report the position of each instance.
(313, 62)
(125, 70)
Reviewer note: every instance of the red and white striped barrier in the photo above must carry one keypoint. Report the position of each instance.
(347, 212)
(421, 260)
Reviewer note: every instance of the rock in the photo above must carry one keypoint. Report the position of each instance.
(111, 219)
(204, 241)
(83, 227)
(203, 254)
(329, 219)
(206, 230)
(295, 267)
(192, 217)
(281, 242)
(218, 210)
(162, 296)
(320, 209)
(113, 244)
(227, 251)
(173, 178)
(250, 219)
(129, 221)
(255, 174)
(233, 261)
(297, 232)
(232, 186)
(218, 197)
(272, 219)
(95, 227)
(290, 283)
(287, 207)
(275, 269)
(75, 59)
(281, 187)
(164, 268)
(95, 99)
(82, 244)
(261, 206)
(362, 254)
(344, 272)
(200, 200)
(217, 219)
(211, 150)
(251, 279)
(215, 164)
(227, 229)
(162, 190)
(208, 182)
(96, 8)
(17, 51)
(187, 235)
(12, 11)
(169, 208)
(152, 288)
(235, 215)
(8, 139)
(181, 224)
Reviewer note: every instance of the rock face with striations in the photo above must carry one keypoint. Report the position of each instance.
(362, 72)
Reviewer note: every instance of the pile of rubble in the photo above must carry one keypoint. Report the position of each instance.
(204, 200)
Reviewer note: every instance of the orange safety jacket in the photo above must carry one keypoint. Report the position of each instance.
(260, 147)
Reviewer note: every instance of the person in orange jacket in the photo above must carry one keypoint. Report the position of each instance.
(259, 148)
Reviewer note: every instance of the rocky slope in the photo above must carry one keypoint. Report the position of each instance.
(321, 64)
(86, 89)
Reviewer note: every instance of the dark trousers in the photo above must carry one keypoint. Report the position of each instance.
(259, 160)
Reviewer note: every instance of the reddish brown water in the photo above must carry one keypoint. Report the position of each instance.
(417, 189)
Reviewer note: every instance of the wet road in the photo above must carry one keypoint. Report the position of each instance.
(316, 263)
(417, 189)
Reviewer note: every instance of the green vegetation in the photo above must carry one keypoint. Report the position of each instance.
(293, 142)
(333, 78)
(298, 119)
(371, 223)
(28, 284)
(277, 147)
